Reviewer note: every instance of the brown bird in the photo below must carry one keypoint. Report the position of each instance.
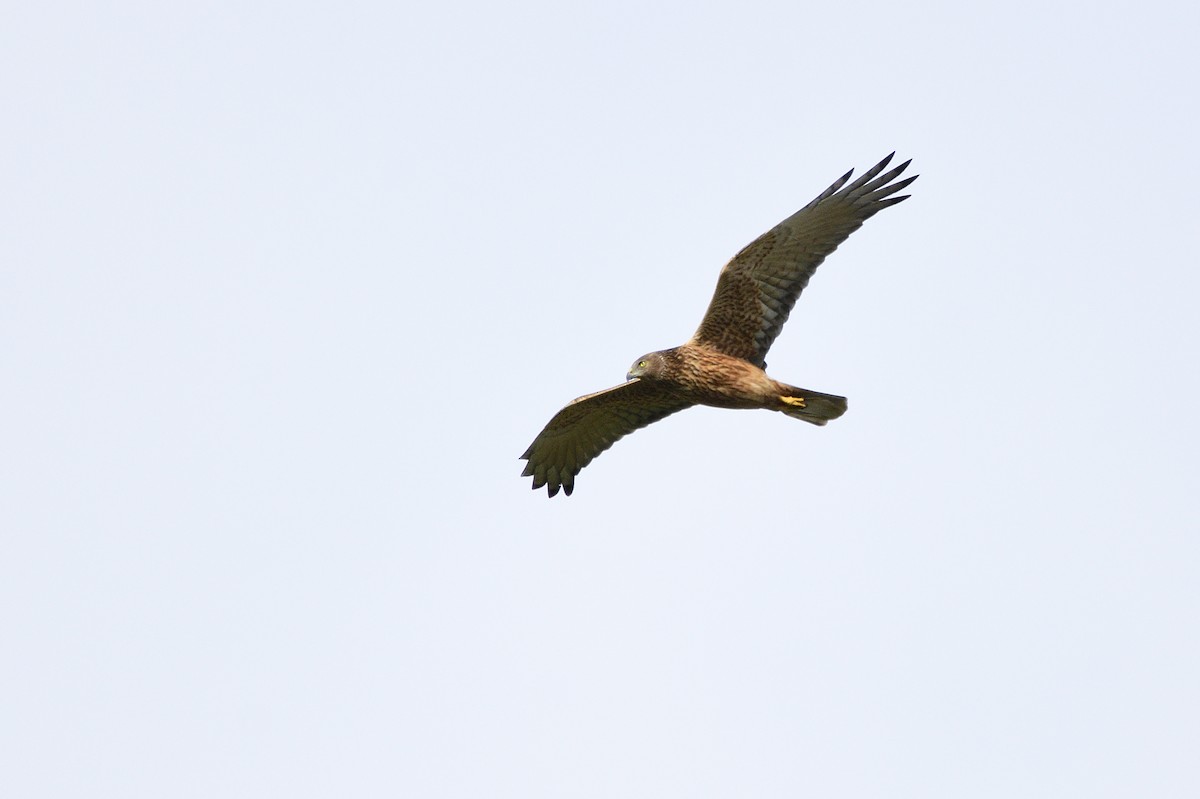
(723, 364)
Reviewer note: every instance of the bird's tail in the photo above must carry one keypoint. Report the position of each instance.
(811, 406)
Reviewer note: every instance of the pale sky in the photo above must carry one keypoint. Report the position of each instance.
(286, 288)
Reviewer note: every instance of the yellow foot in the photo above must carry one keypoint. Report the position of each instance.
(797, 401)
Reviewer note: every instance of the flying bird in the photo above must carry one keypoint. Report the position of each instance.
(723, 364)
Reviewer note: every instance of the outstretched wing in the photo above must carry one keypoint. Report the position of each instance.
(757, 289)
(591, 424)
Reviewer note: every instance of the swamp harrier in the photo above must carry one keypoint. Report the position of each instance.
(723, 363)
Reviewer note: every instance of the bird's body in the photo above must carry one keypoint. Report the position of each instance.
(739, 384)
(723, 364)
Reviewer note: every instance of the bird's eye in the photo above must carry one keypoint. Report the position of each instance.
(642, 364)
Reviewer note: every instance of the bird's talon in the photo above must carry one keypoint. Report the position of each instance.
(796, 401)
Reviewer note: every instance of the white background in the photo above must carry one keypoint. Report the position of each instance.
(286, 288)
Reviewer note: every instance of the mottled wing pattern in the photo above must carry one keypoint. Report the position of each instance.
(758, 288)
(591, 424)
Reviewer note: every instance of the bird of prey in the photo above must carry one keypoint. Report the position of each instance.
(723, 364)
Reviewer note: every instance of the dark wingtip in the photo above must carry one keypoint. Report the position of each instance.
(892, 201)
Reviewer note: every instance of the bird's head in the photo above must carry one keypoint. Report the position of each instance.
(649, 365)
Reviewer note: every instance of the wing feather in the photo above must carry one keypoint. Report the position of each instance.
(758, 288)
(591, 424)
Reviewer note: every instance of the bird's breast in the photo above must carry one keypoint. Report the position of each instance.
(713, 378)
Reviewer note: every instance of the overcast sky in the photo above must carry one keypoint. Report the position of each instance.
(286, 288)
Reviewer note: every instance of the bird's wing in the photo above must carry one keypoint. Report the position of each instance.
(757, 289)
(591, 424)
